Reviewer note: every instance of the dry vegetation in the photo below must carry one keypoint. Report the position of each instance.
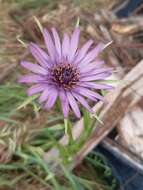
(27, 134)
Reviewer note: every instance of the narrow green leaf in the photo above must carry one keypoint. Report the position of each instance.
(28, 101)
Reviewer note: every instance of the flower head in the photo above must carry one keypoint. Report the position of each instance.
(66, 72)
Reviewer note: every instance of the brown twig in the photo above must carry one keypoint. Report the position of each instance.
(7, 71)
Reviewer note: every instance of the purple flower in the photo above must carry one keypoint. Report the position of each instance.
(66, 72)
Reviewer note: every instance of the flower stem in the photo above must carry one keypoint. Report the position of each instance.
(68, 131)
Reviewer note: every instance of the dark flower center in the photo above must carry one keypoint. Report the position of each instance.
(65, 75)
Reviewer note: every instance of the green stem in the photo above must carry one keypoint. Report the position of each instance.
(68, 131)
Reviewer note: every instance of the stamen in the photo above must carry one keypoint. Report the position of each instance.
(65, 75)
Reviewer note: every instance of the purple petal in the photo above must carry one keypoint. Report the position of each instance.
(51, 98)
(64, 103)
(44, 95)
(74, 43)
(85, 94)
(93, 65)
(41, 51)
(92, 54)
(34, 67)
(96, 77)
(35, 89)
(42, 58)
(73, 104)
(94, 72)
(65, 45)
(95, 85)
(82, 52)
(31, 78)
(82, 101)
(49, 44)
(89, 94)
(57, 41)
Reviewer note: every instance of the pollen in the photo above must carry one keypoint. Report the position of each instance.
(65, 75)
